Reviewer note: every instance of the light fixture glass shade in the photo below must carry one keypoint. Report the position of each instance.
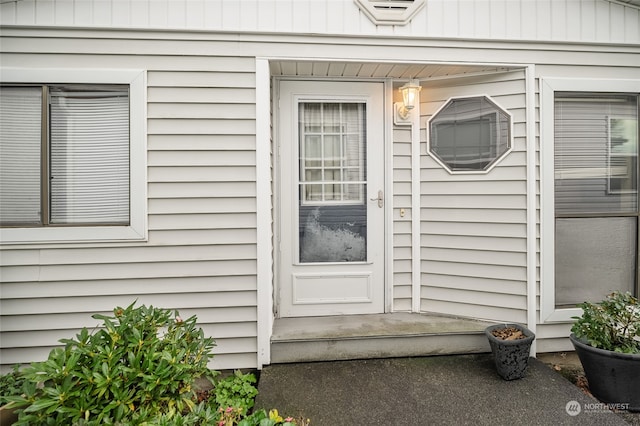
(410, 93)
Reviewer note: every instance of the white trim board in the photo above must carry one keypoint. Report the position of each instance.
(548, 87)
(531, 202)
(137, 229)
(264, 243)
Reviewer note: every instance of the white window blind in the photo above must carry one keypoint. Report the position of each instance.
(595, 163)
(89, 156)
(20, 151)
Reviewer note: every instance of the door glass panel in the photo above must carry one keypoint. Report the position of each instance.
(332, 208)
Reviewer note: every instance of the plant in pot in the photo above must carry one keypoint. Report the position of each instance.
(510, 345)
(607, 340)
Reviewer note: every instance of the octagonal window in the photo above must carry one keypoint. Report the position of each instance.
(469, 134)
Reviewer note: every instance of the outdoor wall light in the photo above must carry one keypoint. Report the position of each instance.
(410, 95)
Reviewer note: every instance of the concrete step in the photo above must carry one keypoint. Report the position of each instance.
(375, 336)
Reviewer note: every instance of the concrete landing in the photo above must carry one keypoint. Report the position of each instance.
(374, 336)
(442, 390)
(394, 324)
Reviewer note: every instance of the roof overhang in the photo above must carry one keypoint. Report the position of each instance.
(380, 70)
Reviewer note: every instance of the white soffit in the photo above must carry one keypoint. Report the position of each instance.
(339, 69)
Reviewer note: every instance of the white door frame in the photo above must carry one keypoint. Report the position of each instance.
(388, 206)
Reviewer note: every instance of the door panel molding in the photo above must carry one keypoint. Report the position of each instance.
(305, 285)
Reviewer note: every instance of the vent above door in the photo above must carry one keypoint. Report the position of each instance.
(390, 12)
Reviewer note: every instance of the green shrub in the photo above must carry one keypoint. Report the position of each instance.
(11, 384)
(138, 368)
(236, 391)
(140, 365)
(233, 416)
(613, 324)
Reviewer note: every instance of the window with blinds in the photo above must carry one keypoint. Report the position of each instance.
(596, 195)
(64, 155)
(596, 153)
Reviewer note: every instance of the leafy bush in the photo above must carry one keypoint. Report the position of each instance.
(232, 417)
(235, 397)
(613, 324)
(139, 368)
(140, 365)
(237, 391)
(11, 384)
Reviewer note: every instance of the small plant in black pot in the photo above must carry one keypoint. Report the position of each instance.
(510, 345)
(607, 340)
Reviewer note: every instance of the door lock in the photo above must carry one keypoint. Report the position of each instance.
(380, 199)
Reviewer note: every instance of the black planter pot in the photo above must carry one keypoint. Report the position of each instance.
(511, 356)
(613, 377)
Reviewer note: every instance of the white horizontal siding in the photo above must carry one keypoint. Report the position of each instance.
(199, 143)
(106, 271)
(473, 242)
(553, 337)
(483, 243)
(200, 257)
(402, 225)
(124, 287)
(200, 205)
(115, 255)
(185, 173)
(477, 311)
(203, 236)
(512, 287)
(209, 170)
(37, 306)
(228, 353)
(557, 20)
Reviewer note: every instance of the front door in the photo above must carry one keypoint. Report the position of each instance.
(331, 192)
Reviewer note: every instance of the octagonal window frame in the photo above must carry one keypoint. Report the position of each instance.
(493, 163)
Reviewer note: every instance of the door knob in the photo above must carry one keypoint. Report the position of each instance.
(379, 199)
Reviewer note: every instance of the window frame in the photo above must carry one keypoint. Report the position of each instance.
(137, 227)
(491, 164)
(549, 313)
